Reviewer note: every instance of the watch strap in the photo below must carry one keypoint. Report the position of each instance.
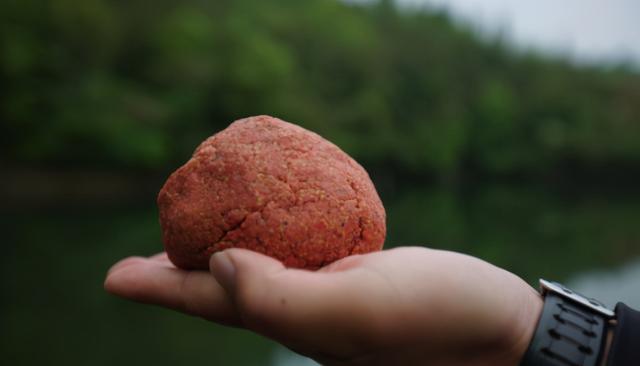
(568, 334)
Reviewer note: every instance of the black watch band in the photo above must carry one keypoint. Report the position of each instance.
(571, 330)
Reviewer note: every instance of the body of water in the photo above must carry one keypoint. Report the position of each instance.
(56, 312)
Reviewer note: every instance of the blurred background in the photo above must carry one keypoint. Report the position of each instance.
(510, 132)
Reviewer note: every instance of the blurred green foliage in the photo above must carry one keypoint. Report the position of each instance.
(137, 84)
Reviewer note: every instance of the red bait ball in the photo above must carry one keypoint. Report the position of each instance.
(272, 187)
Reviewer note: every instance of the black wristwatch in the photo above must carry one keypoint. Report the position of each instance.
(571, 331)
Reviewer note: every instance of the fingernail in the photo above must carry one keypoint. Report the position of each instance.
(223, 270)
(124, 263)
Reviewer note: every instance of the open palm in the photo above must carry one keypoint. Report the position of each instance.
(410, 305)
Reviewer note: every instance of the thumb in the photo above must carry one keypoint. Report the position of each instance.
(228, 265)
(299, 308)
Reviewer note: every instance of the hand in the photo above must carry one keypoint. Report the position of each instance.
(405, 306)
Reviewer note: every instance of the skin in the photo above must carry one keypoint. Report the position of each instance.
(407, 306)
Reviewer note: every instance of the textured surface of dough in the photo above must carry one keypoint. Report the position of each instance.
(273, 187)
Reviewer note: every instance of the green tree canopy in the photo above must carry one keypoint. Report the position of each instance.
(137, 84)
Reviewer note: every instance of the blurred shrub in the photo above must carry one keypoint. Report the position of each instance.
(137, 84)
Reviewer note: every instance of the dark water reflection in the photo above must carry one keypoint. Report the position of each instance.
(55, 311)
(527, 231)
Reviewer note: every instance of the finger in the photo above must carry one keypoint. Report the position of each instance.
(191, 292)
(297, 307)
(124, 263)
(160, 257)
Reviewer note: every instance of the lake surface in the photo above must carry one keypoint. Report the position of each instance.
(55, 311)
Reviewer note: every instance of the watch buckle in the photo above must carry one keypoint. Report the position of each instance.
(560, 290)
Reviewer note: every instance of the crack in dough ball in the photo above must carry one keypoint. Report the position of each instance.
(272, 187)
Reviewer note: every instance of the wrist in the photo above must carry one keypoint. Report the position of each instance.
(531, 310)
(572, 329)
